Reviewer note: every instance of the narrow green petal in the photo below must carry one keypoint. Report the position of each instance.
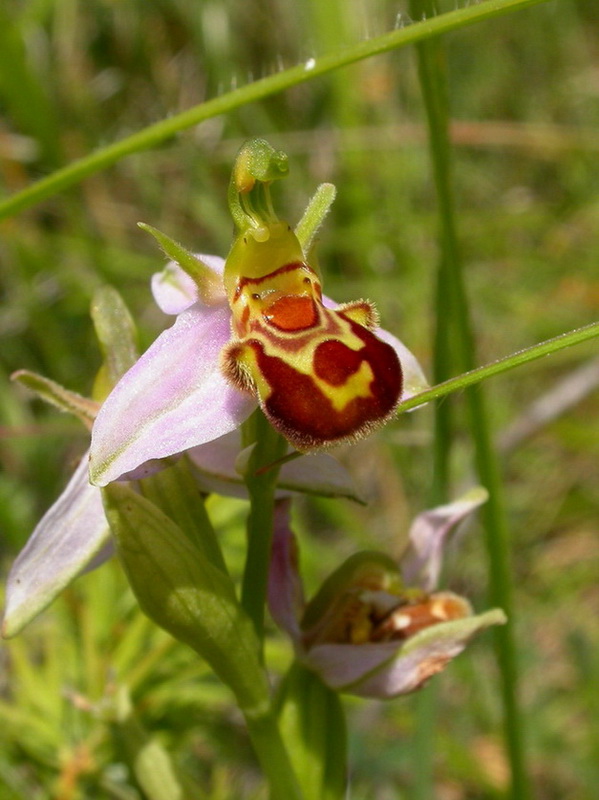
(210, 285)
(116, 332)
(314, 215)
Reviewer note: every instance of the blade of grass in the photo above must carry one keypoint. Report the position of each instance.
(475, 376)
(433, 89)
(159, 132)
(21, 91)
(451, 276)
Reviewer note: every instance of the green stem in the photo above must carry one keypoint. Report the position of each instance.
(501, 590)
(422, 779)
(494, 513)
(159, 132)
(273, 757)
(474, 376)
(268, 449)
(434, 95)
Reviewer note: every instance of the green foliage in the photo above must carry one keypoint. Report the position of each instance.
(186, 593)
(83, 75)
(308, 712)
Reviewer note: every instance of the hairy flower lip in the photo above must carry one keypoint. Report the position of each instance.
(176, 397)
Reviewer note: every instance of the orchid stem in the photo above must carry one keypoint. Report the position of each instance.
(272, 755)
(269, 448)
(263, 730)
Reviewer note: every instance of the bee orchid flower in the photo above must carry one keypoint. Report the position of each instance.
(252, 330)
(369, 631)
(73, 536)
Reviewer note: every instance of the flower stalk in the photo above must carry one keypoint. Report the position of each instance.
(268, 448)
(312, 723)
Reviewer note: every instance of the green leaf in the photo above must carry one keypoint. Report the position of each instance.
(175, 491)
(178, 588)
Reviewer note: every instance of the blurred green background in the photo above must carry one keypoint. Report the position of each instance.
(524, 95)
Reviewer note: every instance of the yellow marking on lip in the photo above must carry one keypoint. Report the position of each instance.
(357, 385)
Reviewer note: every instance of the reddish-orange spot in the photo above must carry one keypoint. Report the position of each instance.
(334, 362)
(291, 313)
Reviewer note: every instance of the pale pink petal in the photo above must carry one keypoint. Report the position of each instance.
(423, 558)
(343, 665)
(174, 291)
(69, 538)
(414, 380)
(216, 470)
(175, 397)
(390, 669)
(285, 590)
(321, 474)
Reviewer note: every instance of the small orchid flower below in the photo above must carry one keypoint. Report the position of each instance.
(253, 330)
(366, 632)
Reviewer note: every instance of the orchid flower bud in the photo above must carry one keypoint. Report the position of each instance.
(365, 632)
